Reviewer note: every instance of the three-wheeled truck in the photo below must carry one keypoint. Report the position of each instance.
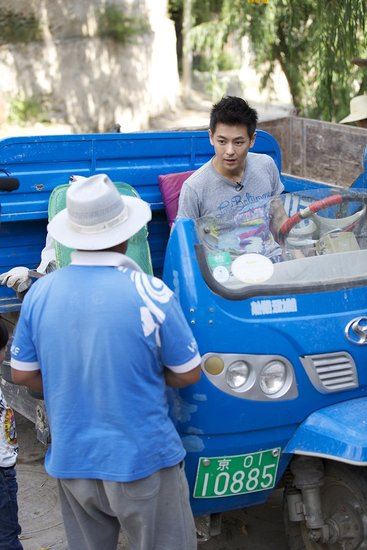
(282, 399)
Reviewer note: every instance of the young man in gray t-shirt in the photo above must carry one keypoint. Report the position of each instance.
(235, 184)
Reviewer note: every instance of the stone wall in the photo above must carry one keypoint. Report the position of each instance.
(87, 81)
(323, 151)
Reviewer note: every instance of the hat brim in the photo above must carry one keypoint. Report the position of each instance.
(353, 118)
(139, 214)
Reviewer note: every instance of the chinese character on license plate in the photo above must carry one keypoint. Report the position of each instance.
(225, 476)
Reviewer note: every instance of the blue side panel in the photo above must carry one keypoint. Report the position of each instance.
(44, 162)
(361, 181)
(293, 184)
(20, 244)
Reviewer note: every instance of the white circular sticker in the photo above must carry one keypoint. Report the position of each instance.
(252, 268)
(221, 274)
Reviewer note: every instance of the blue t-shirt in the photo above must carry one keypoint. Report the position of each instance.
(100, 334)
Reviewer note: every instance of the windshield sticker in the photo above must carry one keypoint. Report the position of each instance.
(269, 307)
(221, 274)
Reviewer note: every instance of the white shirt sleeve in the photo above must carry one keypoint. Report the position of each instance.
(48, 255)
(179, 351)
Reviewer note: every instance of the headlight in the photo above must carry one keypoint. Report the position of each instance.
(214, 364)
(273, 377)
(237, 374)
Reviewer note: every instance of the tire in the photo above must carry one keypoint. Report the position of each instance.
(344, 491)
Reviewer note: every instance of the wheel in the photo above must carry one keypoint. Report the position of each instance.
(344, 501)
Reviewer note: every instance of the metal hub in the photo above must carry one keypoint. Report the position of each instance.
(346, 520)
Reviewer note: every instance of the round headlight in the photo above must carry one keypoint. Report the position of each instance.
(273, 377)
(237, 374)
(214, 364)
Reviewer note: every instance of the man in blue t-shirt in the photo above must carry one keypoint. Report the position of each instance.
(103, 340)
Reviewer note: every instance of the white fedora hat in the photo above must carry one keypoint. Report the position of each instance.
(358, 109)
(97, 216)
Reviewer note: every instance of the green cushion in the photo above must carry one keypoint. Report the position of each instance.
(138, 248)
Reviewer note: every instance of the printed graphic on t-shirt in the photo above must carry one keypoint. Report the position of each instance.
(238, 203)
(246, 230)
(193, 347)
(154, 294)
(8, 434)
(9, 427)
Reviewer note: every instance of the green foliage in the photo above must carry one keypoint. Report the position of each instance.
(226, 62)
(114, 24)
(23, 110)
(339, 38)
(202, 10)
(314, 43)
(280, 34)
(208, 39)
(16, 28)
(312, 40)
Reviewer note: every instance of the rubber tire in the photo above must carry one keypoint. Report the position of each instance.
(336, 473)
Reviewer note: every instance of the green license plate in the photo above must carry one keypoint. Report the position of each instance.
(225, 476)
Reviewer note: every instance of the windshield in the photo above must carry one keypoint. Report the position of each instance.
(308, 239)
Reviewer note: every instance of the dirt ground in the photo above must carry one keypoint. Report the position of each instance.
(192, 112)
(258, 528)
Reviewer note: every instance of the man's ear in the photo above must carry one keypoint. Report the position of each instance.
(252, 140)
(211, 137)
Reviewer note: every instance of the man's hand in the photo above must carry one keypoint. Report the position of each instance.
(181, 380)
(277, 217)
(17, 278)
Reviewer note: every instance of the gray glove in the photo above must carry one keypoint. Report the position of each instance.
(17, 278)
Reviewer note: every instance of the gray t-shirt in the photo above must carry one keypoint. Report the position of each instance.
(241, 213)
(208, 193)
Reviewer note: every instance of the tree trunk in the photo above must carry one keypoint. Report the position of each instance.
(187, 50)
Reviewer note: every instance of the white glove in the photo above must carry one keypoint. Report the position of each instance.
(17, 278)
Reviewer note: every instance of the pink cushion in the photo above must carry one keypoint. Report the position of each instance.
(170, 186)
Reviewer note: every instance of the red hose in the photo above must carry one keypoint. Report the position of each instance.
(325, 203)
(307, 212)
(289, 223)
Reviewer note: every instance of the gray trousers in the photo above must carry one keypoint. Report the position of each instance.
(154, 512)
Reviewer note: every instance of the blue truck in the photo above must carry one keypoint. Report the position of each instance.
(282, 398)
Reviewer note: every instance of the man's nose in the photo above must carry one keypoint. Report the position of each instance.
(229, 149)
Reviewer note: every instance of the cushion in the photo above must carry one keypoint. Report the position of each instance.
(170, 186)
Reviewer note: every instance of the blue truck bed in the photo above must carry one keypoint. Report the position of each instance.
(44, 162)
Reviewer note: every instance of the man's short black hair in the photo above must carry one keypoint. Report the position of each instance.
(233, 111)
(4, 335)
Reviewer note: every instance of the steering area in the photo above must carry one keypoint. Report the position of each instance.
(330, 232)
(322, 204)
